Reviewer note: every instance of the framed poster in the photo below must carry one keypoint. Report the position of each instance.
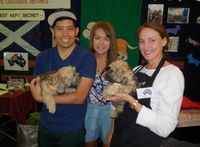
(15, 83)
(155, 12)
(15, 61)
(173, 44)
(178, 15)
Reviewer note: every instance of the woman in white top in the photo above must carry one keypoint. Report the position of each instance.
(152, 113)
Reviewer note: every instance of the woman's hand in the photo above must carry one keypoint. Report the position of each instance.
(125, 97)
(120, 97)
(36, 90)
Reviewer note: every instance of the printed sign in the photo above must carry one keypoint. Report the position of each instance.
(23, 15)
(35, 4)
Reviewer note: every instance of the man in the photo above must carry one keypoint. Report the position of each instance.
(66, 126)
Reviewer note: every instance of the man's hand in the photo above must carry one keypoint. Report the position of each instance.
(36, 89)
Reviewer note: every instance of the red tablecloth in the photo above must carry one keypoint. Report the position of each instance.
(189, 104)
(17, 104)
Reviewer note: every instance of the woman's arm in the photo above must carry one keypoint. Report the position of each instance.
(128, 98)
(162, 118)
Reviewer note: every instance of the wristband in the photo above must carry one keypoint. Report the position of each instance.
(133, 105)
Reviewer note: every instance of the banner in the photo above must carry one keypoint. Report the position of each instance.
(21, 15)
(35, 4)
(125, 16)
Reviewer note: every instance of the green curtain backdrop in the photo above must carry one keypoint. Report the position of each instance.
(125, 16)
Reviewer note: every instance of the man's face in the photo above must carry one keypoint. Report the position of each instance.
(65, 33)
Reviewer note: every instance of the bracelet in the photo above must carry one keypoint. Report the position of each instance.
(133, 105)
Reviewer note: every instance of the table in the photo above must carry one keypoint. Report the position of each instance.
(18, 104)
(189, 118)
(189, 115)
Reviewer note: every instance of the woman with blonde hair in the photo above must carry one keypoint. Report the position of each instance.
(97, 120)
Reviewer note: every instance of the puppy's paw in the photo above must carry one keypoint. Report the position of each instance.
(50, 103)
(113, 114)
(52, 110)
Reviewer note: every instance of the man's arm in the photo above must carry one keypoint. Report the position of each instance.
(77, 97)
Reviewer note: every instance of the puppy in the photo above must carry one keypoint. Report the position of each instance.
(121, 80)
(62, 81)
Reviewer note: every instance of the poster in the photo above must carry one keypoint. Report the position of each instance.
(178, 15)
(15, 61)
(155, 12)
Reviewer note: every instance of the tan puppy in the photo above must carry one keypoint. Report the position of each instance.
(64, 80)
(121, 80)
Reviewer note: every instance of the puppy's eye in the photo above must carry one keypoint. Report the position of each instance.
(107, 68)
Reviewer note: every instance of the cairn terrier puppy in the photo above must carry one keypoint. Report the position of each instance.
(62, 81)
(121, 79)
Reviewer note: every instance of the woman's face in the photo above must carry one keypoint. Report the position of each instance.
(101, 43)
(151, 44)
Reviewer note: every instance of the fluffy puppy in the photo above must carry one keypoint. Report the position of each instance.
(121, 80)
(62, 81)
